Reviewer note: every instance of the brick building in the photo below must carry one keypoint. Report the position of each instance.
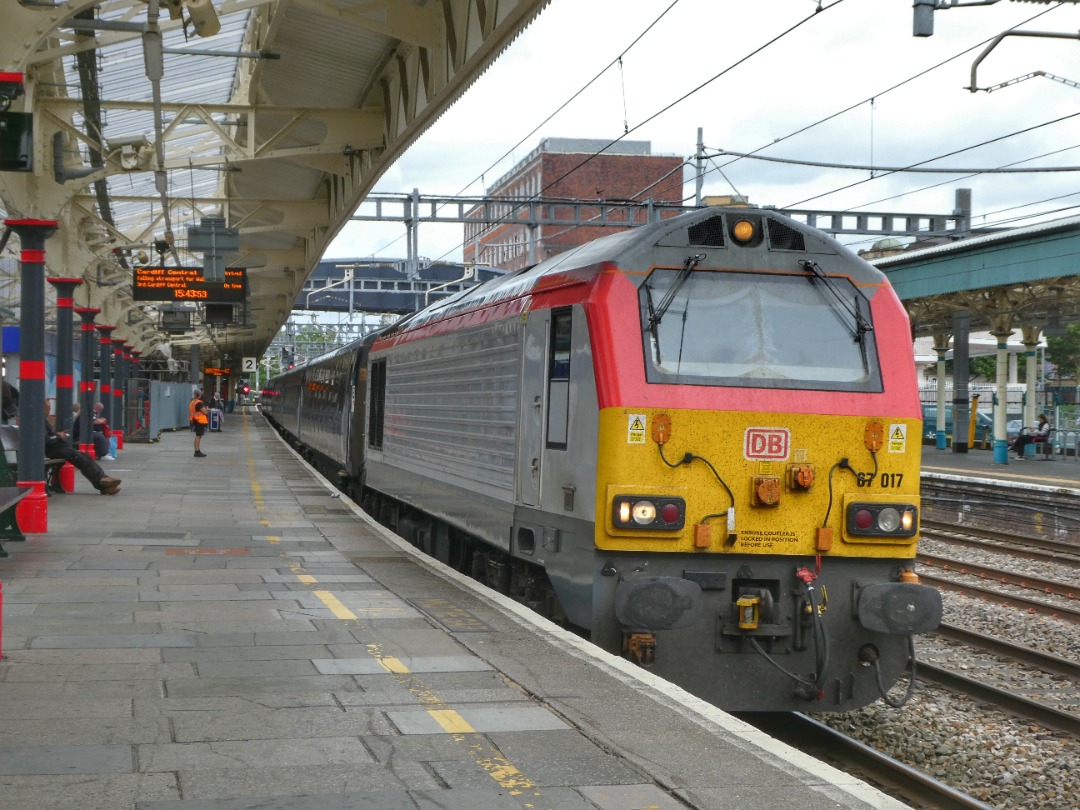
(553, 173)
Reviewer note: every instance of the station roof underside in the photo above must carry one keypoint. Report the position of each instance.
(1027, 277)
(280, 122)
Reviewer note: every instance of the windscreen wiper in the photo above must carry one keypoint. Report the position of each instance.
(840, 305)
(655, 316)
(653, 321)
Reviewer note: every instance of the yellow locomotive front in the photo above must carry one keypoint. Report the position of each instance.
(732, 482)
(757, 502)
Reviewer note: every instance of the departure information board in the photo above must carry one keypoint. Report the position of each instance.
(187, 284)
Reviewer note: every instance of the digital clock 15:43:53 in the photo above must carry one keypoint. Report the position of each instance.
(191, 293)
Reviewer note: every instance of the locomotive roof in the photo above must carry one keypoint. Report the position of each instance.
(665, 242)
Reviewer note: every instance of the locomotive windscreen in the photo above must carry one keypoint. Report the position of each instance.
(757, 330)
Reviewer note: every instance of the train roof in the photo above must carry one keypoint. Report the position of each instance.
(649, 245)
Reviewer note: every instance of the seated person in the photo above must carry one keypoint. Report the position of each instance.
(56, 446)
(101, 424)
(10, 411)
(100, 440)
(1039, 434)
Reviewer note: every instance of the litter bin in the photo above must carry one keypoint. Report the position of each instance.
(229, 405)
(215, 419)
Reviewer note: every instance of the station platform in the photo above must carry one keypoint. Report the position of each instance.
(229, 633)
(1061, 471)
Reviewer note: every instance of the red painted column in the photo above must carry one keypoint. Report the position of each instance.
(32, 512)
(65, 347)
(116, 420)
(105, 369)
(86, 383)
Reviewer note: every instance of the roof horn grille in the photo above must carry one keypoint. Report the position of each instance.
(783, 237)
(707, 233)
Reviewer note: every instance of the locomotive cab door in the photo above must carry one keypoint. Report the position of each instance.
(545, 397)
(530, 451)
(355, 433)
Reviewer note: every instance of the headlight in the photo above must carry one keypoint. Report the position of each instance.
(888, 520)
(882, 519)
(643, 512)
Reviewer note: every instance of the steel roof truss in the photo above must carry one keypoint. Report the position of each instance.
(418, 25)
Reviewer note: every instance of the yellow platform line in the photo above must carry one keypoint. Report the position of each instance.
(395, 666)
(451, 722)
(335, 605)
(488, 758)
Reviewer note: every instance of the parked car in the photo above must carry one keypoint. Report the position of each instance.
(1012, 429)
(984, 424)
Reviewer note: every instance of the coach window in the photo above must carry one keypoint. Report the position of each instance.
(378, 404)
(559, 380)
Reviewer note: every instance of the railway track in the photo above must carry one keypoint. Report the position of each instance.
(1024, 655)
(818, 740)
(1032, 548)
(1065, 589)
(1006, 701)
(1030, 605)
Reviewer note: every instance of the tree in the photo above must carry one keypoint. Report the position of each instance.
(1064, 351)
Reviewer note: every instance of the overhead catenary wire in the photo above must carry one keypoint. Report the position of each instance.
(516, 206)
(664, 109)
(915, 168)
(616, 61)
(878, 94)
(956, 179)
(938, 157)
(871, 99)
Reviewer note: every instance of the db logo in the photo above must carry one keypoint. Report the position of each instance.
(766, 444)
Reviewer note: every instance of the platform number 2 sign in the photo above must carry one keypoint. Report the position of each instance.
(248, 365)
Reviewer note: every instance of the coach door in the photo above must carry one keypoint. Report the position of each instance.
(534, 345)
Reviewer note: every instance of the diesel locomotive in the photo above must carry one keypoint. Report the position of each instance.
(698, 440)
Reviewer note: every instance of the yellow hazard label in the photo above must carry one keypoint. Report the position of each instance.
(897, 438)
(635, 431)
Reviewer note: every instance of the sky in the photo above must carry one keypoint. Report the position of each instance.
(752, 75)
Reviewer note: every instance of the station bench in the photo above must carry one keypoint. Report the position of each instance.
(1045, 445)
(9, 526)
(9, 468)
